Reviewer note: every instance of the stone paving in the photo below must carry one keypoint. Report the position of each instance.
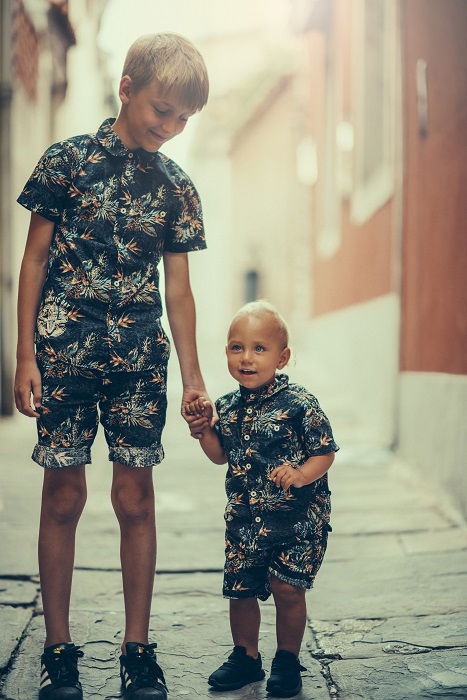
(387, 618)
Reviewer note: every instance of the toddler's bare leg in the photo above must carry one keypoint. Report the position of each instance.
(133, 502)
(63, 499)
(245, 619)
(290, 615)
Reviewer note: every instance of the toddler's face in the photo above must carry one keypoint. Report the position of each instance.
(255, 350)
(152, 118)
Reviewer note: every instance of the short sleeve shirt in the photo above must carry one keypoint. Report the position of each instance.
(260, 430)
(116, 212)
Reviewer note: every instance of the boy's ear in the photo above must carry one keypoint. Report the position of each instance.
(124, 89)
(284, 358)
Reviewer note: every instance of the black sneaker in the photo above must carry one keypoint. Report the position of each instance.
(59, 673)
(285, 680)
(237, 671)
(141, 675)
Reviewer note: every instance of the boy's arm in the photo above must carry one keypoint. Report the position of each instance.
(182, 319)
(31, 280)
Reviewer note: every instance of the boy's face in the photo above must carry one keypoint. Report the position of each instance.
(150, 118)
(255, 350)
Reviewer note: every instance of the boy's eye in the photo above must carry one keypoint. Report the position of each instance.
(235, 348)
(259, 348)
(161, 111)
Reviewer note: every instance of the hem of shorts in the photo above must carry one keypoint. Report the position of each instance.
(60, 457)
(262, 597)
(137, 457)
(292, 581)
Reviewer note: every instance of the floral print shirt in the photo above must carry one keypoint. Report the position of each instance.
(260, 430)
(116, 212)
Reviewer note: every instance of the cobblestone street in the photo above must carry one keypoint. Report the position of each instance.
(387, 618)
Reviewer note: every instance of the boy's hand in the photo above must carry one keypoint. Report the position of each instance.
(191, 405)
(199, 415)
(28, 381)
(286, 476)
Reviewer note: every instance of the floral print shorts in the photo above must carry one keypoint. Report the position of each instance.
(247, 574)
(132, 408)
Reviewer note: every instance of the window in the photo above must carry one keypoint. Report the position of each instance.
(374, 71)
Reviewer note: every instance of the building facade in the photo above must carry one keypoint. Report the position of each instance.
(53, 84)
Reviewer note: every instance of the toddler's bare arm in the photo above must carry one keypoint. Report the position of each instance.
(199, 416)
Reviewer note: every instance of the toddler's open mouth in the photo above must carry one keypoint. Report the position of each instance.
(247, 371)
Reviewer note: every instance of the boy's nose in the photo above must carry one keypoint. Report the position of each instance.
(171, 126)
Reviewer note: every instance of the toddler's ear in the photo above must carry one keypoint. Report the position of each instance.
(284, 358)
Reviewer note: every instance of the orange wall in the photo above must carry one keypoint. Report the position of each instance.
(434, 294)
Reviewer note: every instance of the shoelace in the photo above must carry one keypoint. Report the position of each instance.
(143, 668)
(62, 667)
(284, 666)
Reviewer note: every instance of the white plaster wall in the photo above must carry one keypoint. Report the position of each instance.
(432, 427)
(350, 360)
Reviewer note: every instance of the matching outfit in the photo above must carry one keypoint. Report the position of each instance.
(270, 530)
(98, 337)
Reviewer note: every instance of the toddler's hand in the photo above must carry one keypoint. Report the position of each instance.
(287, 476)
(198, 414)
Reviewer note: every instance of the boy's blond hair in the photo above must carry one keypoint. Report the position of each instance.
(174, 63)
(259, 308)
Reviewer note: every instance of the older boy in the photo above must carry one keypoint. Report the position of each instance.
(105, 208)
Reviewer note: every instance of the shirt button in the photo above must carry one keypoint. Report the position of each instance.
(248, 466)
(247, 437)
(130, 155)
(249, 410)
(276, 428)
(257, 520)
(123, 210)
(253, 493)
(252, 396)
(117, 283)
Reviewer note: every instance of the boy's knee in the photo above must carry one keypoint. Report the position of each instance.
(64, 504)
(132, 504)
(284, 592)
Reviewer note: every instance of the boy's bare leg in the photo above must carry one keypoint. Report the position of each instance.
(63, 499)
(133, 502)
(245, 619)
(290, 615)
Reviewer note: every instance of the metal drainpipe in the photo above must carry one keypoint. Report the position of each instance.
(6, 287)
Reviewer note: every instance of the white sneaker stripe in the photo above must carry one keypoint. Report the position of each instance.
(45, 682)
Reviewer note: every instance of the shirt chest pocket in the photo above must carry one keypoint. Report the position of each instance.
(95, 202)
(272, 435)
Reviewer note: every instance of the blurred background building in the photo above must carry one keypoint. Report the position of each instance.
(331, 164)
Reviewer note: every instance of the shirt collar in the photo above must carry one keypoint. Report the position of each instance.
(280, 381)
(115, 146)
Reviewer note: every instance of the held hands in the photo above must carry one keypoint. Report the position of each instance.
(200, 414)
(286, 476)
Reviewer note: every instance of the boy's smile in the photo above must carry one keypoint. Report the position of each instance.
(148, 119)
(255, 350)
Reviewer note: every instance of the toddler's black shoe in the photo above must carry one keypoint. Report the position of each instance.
(142, 677)
(285, 680)
(59, 673)
(237, 671)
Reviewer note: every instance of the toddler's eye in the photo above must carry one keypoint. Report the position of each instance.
(161, 111)
(259, 348)
(235, 348)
